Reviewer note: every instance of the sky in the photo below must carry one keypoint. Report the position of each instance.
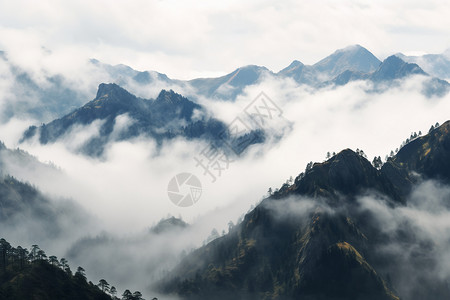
(188, 39)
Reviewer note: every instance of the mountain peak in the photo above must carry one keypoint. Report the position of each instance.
(169, 96)
(169, 224)
(111, 90)
(347, 172)
(352, 48)
(394, 67)
(394, 60)
(293, 66)
(353, 58)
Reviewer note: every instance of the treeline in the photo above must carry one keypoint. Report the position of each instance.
(29, 274)
(377, 162)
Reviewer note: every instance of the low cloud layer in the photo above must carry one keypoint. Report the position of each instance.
(132, 178)
(126, 190)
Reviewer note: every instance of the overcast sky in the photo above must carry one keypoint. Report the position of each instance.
(189, 38)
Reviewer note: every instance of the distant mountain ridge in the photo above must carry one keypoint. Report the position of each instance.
(341, 67)
(437, 65)
(58, 95)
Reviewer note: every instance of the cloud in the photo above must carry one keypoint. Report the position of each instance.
(192, 38)
(126, 191)
(132, 178)
(415, 248)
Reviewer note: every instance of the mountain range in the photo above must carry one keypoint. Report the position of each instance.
(53, 96)
(115, 114)
(314, 239)
(344, 65)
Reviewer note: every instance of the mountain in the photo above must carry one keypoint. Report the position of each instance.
(123, 75)
(27, 95)
(395, 68)
(300, 73)
(25, 275)
(353, 58)
(229, 86)
(47, 96)
(392, 69)
(319, 238)
(19, 163)
(437, 65)
(341, 67)
(168, 224)
(118, 115)
(28, 214)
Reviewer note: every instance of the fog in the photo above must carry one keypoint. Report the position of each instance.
(410, 247)
(125, 191)
(419, 239)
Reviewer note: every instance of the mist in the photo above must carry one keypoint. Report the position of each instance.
(125, 191)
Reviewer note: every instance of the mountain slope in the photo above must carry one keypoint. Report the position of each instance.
(229, 86)
(390, 71)
(41, 280)
(315, 239)
(24, 93)
(437, 65)
(29, 275)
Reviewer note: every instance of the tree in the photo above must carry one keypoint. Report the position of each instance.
(269, 192)
(68, 270)
(328, 155)
(4, 248)
(22, 254)
(309, 166)
(377, 162)
(230, 226)
(127, 295)
(103, 285)
(80, 274)
(137, 296)
(113, 291)
(63, 263)
(41, 255)
(214, 235)
(34, 252)
(53, 260)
